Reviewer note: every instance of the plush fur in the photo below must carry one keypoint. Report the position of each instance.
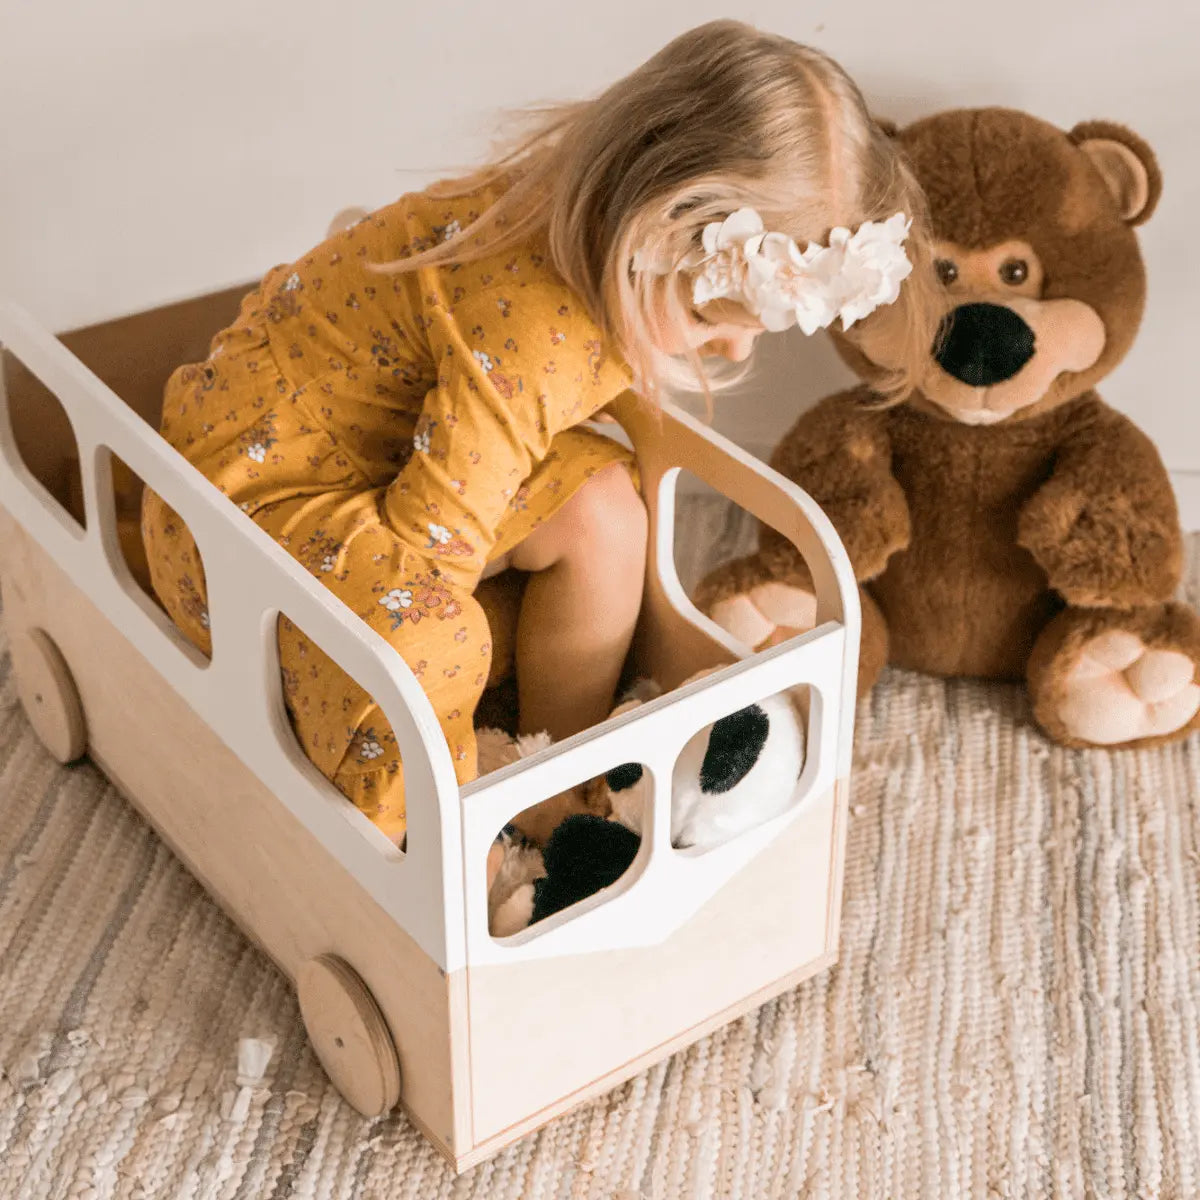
(514, 863)
(584, 854)
(732, 775)
(1004, 522)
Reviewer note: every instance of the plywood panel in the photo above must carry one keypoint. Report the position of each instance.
(267, 872)
(542, 1030)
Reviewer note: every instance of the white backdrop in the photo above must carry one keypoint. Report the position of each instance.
(152, 149)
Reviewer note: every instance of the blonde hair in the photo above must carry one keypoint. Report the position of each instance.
(723, 117)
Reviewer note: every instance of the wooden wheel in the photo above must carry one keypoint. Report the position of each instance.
(48, 694)
(349, 1035)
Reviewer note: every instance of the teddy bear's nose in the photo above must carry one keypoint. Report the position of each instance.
(983, 344)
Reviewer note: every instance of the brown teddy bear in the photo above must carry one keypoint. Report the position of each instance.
(1003, 521)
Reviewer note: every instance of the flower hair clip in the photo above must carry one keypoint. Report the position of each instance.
(782, 285)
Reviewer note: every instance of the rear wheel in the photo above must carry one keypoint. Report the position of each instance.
(48, 694)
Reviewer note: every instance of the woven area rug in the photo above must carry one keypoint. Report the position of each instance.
(1016, 1012)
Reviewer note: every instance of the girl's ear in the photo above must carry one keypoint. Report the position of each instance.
(887, 126)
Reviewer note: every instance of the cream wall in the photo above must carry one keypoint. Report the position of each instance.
(151, 150)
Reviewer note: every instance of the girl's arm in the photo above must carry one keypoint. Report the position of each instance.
(515, 366)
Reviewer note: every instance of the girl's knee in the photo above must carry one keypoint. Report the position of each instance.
(603, 525)
(608, 517)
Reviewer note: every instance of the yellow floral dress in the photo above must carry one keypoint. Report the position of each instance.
(394, 433)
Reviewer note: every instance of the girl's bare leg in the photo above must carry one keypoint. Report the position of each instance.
(587, 565)
(581, 603)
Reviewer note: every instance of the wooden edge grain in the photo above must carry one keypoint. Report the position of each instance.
(458, 1008)
(837, 854)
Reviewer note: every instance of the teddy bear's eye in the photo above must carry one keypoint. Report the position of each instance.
(1014, 272)
(947, 271)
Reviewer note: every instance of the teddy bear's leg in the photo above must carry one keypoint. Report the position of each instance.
(1113, 677)
(757, 602)
(762, 601)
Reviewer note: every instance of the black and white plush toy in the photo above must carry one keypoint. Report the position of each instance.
(733, 775)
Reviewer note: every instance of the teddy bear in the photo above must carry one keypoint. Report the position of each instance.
(1003, 521)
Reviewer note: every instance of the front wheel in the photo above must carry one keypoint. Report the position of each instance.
(349, 1035)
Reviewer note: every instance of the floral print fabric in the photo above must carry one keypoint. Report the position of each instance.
(394, 433)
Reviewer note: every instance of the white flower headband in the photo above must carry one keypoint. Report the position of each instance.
(782, 285)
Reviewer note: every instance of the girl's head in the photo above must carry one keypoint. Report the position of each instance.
(724, 117)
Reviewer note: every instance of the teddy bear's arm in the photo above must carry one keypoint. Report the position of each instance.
(840, 453)
(1105, 526)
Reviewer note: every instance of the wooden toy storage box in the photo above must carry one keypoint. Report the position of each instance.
(404, 993)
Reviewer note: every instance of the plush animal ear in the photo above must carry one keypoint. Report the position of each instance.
(887, 126)
(734, 744)
(622, 778)
(1127, 165)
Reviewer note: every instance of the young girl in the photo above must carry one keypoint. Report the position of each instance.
(400, 409)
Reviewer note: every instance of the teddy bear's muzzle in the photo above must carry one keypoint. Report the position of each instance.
(983, 344)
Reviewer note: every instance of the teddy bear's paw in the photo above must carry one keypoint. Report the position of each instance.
(513, 914)
(1120, 690)
(512, 867)
(767, 614)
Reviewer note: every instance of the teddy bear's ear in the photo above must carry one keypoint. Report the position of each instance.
(1127, 165)
(887, 126)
